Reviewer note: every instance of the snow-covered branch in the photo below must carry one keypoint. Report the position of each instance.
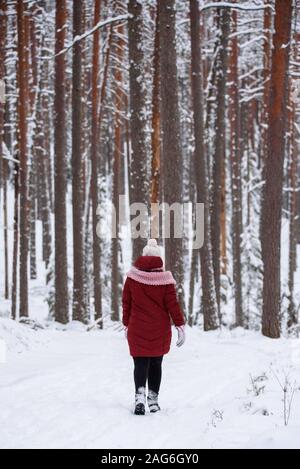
(9, 158)
(100, 25)
(7, 155)
(236, 6)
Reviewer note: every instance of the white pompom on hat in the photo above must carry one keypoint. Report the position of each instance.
(152, 248)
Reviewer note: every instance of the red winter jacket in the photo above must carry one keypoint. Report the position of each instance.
(149, 302)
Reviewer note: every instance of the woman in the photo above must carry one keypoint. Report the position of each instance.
(149, 303)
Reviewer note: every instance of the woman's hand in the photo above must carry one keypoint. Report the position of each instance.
(181, 336)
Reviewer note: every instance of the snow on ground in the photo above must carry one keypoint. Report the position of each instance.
(18, 338)
(76, 391)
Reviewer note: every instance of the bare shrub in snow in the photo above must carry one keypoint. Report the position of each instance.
(216, 417)
(289, 389)
(262, 411)
(256, 384)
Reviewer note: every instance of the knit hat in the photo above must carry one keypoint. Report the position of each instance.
(152, 249)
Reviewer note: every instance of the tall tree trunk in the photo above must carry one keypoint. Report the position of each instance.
(3, 163)
(119, 102)
(220, 146)
(32, 189)
(33, 51)
(11, 112)
(61, 262)
(95, 169)
(292, 320)
(79, 312)
(155, 141)
(171, 143)
(3, 24)
(193, 275)
(293, 181)
(5, 232)
(266, 95)
(236, 190)
(223, 223)
(138, 164)
(267, 70)
(14, 284)
(209, 302)
(23, 155)
(42, 157)
(272, 203)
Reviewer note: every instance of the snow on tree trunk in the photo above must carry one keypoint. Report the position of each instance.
(209, 302)
(138, 162)
(236, 190)
(171, 144)
(23, 155)
(220, 145)
(95, 168)
(119, 104)
(3, 163)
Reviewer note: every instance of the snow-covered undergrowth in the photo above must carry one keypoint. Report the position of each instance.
(220, 390)
(18, 337)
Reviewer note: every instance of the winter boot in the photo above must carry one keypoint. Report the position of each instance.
(140, 401)
(153, 401)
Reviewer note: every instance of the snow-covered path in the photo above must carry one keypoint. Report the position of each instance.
(76, 391)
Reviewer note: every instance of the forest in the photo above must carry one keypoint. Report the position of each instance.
(178, 120)
(159, 102)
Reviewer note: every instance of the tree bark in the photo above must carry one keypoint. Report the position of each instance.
(61, 262)
(220, 146)
(23, 156)
(155, 141)
(293, 182)
(236, 190)
(95, 169)
(209, 302)
(266, 76)
(119, 103)
(32, 192)
(3, 163)
(138, 164)
(292, 310)
(272, 203)
(42, 161)
(171, 142)
(79, 311)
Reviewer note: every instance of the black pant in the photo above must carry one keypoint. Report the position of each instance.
(147, 368)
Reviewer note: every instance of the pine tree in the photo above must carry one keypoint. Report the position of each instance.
(220, 143)
(60, 176)
(95, 168)
(79, 311)
(119, 105)
(23, 154)
(3, 162)
(272, 202)
(138, 160)
(155, 142)
(171, 144)
(209, 301)
(236, 191)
